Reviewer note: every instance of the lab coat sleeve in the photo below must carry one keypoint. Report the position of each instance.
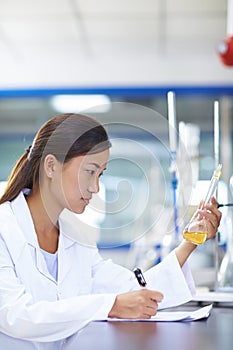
(168, 277)
(176, 283)
(43, 321)
(111, 277)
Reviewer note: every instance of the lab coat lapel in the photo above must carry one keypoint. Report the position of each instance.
(26, 225)
(23, 217)
(72, 231)
(20, 244)
(64, 257)
(41, 265)
(16, 245)
(77, 230)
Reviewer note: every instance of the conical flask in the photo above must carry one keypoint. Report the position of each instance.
(196, 230)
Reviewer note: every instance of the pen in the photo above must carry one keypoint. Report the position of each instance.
(140, 278)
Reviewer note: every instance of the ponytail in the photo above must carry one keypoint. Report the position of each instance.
(21, 177)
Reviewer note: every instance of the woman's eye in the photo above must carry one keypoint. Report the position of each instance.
(91, 172)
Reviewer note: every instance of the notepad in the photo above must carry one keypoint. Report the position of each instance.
(172, 316)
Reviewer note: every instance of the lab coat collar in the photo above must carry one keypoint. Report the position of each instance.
(23, 217)
(20, 227)
(72, 231)
(71, 227)
(76, 230)
(16, 243)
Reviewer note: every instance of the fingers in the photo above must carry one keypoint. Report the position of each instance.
(136, 304)
(150, 302)
(214, 208)
(212, 216)
(156, 296)
(213, 201)
(150, 296)
(212, 213)
(150, 309)
(201, 204)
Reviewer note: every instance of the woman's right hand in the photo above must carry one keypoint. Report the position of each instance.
(142, 303)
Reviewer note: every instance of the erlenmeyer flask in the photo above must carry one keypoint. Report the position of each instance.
(196, 230)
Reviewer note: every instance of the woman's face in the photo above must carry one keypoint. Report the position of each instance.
(78, 180)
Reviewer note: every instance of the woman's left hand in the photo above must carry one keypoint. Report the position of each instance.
(213, 217)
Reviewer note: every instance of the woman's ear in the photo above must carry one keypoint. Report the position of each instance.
(50, 165)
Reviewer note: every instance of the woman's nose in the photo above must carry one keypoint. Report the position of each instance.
(94, 186)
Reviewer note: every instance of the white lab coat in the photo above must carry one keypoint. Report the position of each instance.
(33, 306)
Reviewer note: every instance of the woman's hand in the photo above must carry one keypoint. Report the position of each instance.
(213, 217)
(137, 304)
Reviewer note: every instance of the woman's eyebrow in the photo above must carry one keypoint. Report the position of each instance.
(96, 165)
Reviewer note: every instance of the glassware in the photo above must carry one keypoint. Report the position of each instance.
(196, 230)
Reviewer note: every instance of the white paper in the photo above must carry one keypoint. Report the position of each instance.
(172, 316)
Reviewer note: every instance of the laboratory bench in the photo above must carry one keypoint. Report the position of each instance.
(212, 333)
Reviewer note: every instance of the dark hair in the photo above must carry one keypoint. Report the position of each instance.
(65, 136)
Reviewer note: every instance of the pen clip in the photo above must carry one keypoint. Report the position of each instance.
(139, 276)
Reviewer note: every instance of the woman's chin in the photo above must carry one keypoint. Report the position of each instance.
(76, 210)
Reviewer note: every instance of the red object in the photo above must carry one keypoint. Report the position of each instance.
(225, 51)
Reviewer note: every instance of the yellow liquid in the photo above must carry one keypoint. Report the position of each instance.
(195, 237)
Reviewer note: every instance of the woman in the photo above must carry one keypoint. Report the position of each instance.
(50, 285)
